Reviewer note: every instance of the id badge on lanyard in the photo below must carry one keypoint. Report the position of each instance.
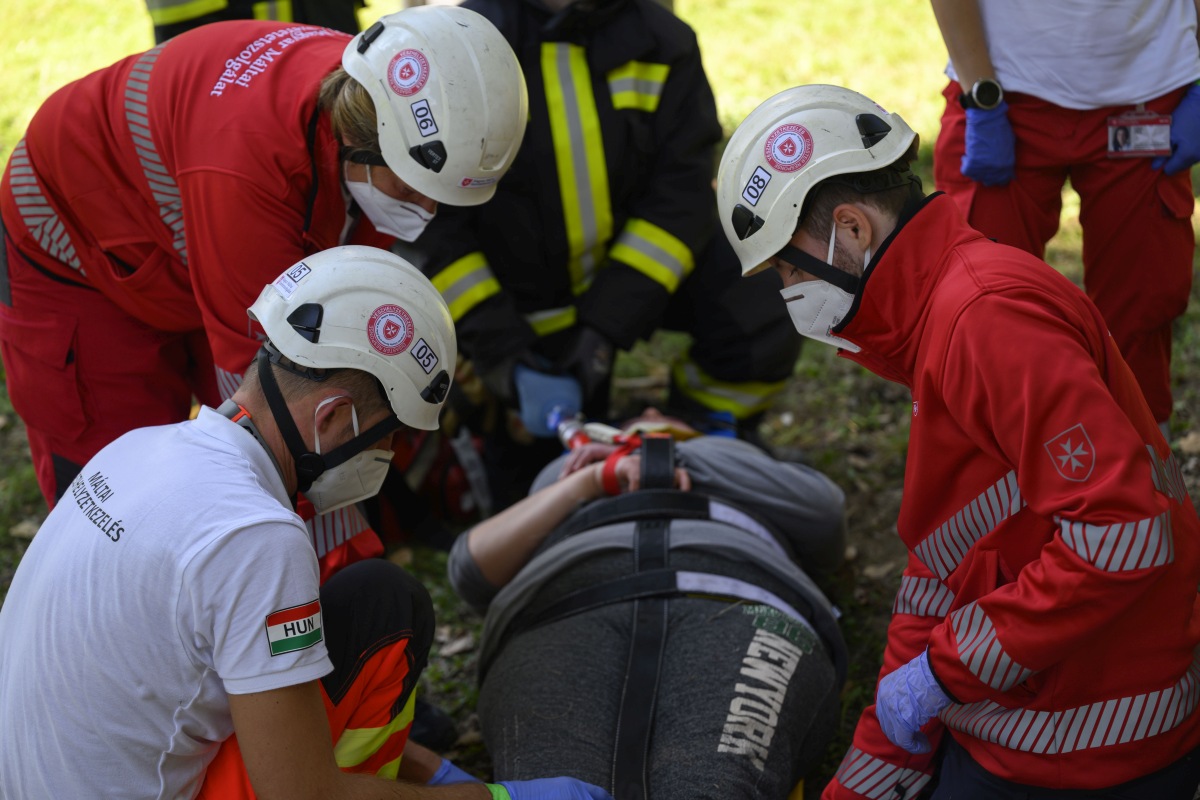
(1139, 134)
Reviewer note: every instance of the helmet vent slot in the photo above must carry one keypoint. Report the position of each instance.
(368, 38)
(872, 128)
(306, 321)
(745, 222)
(431, 155)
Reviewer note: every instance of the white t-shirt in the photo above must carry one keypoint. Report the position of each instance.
(172, 572)
(1091, 53)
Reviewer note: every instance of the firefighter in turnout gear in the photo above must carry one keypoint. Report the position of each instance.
(604, 230)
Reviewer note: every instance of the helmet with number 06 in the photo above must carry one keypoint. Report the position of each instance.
(362, 308)
(785, 147)
(449, 97)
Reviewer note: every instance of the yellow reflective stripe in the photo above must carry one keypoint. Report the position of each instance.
(466, 283)
(356, 745)
(552, 320)
(652, 251)
(637, 85)
(743, 399)
(274, 9)
(165, 14)
(579, 157)
(390, 770)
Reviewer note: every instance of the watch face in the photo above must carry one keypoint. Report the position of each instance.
(987, 94)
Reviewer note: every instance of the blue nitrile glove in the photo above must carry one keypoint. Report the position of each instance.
(905, 700)
(544, 399)
(448, 773)
(1185, 135)
(547, 789)
(991, 149)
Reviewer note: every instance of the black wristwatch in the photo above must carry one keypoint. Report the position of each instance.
(985, 95)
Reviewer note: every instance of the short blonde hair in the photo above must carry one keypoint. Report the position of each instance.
(351, 112)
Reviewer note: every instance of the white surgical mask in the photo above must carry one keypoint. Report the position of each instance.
(406, 221)
(357, 478)
(816, 307)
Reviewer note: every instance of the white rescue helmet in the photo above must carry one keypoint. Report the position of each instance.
(788, 145)
(449, 97)
(363, 308)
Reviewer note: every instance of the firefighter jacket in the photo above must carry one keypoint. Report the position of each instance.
(1054, 552)
(180, 181)
(610, 198)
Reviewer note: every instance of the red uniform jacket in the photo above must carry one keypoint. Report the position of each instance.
(1054, 552)
(186, 178)
(180, 181)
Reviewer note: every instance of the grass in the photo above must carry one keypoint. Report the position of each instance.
(846, 421)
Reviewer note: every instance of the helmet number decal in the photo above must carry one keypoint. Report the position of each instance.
(425, 356)
(756, 186)
(285, 284)
(407, 72)
(789, 147)
(390, 330)
(424, 117)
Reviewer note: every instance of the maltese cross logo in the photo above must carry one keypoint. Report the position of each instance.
(406, 72)
(788, 147)
(1072, 453)
(390, 330)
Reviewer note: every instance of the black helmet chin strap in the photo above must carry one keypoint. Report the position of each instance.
(311, 465)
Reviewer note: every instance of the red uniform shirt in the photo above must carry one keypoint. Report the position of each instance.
(1054, 550)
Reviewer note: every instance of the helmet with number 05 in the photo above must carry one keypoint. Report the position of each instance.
(788, 145)
(449, 97)
(362, 308)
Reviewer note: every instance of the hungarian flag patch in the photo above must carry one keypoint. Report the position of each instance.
(295, 628)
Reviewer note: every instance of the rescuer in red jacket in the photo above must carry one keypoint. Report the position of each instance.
(150, 201)
(1047, 620)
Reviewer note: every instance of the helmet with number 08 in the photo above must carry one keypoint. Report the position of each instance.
(788, 145)
(449, 97)
(367, 309)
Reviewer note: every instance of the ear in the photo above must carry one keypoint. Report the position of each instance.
(854, 222)
(333, 410)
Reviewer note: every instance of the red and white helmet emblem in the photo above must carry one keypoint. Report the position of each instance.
(1072, 453)
(789, 147)
(390, 330)
(408, 72)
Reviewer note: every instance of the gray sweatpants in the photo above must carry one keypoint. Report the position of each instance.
(747, 701)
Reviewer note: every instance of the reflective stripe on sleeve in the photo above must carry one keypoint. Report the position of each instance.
(1167, 476)
(551, 320)
(274, 9)
(39, 217)
(330, 531)
(923, 597)
(743, 399)
(161, 184)
(356, 745)
(1099, 724)
(655, 253)
(579, 158)
(943, 550)
(466, 283)
(873, 777)
(227, 382)
(1122, 546)
(981, 652)
(637, 85)
(165, 12)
